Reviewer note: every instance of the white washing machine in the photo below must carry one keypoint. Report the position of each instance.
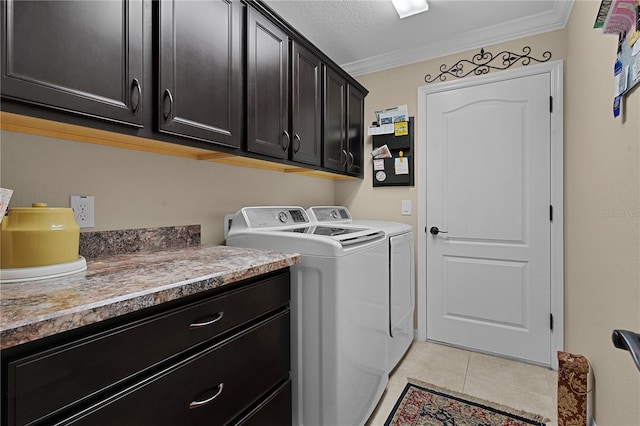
(338, 310)
(400, 272)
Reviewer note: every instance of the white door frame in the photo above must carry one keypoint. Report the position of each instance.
(555, 69)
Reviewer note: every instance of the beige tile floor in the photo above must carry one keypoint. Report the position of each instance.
(512, 383)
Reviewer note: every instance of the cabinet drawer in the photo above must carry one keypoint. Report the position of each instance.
(274, 411)
(69, 373)
(231, 376)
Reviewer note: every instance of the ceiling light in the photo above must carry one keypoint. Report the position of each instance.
(410, 7)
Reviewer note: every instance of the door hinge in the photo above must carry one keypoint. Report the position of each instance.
(551, 321)
(550, 103)
(550, 213)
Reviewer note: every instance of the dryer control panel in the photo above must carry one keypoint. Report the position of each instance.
(330, 214)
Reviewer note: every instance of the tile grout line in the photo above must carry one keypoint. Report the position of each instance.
(466, 371)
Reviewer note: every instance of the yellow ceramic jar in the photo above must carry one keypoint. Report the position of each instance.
(39, 236)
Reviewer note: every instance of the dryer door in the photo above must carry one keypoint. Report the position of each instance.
(401, 281)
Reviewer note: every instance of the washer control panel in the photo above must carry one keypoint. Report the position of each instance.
(268, 217)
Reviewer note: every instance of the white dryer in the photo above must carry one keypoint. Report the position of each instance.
(400, 273)
(338, 327)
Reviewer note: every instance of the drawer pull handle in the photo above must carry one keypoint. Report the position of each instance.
(197, 404)
(207, 321)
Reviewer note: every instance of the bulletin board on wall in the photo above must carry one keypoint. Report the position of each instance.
(397, 169)
(622, 19)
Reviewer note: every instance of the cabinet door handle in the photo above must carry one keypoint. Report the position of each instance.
(296, 147)
(136, 90)
(346, 158)
(167, 107)
(286, 146)
(351, 160)
(199, 403)
(207, 321)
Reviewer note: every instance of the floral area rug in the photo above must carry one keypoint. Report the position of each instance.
(423, 404)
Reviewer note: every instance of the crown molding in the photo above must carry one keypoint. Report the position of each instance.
(555, 19)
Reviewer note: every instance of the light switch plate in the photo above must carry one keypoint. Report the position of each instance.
(406, 207)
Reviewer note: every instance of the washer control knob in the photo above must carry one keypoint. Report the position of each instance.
(282, 217)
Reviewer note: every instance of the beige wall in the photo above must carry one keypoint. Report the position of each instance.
(138, 189)
(602, 198)
(602, 193)
(602, 218)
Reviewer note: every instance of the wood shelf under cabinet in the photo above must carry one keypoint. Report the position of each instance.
(54, 129)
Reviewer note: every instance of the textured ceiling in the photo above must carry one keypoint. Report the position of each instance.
(365, 36)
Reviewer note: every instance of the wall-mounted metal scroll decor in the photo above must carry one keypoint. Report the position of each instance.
(483, 62)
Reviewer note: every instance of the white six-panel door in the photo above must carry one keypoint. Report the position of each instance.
(488, 186)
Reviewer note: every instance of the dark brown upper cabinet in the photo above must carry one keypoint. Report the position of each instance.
(306, 131)
(343, 109)
(355, 132)
(79, 56)
(335, 155)
(226, 75)
(200, 70)
(267, 87)
(283, 117)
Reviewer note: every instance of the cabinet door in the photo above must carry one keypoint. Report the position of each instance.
(267, 87)
(306, 113)
(200, 93)
(79, 56)
(334, 110)
(355, 134)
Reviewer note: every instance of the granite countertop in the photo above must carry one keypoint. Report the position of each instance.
(119, 284)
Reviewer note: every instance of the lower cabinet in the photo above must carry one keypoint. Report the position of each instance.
(221, 360)
(274, 411)
(211, 387)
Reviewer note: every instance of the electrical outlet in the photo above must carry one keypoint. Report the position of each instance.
(83, 210)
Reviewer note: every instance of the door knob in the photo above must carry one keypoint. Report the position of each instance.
(435, 231)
